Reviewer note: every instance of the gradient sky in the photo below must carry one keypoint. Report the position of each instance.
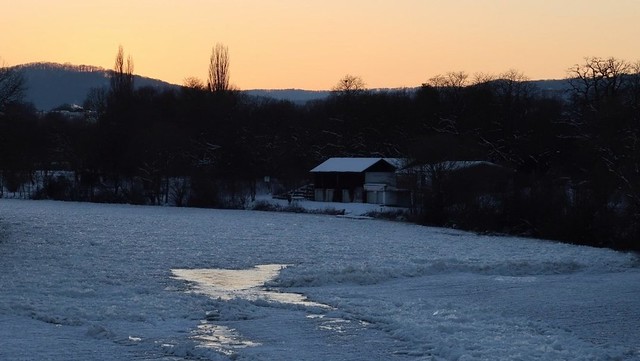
(312, 44)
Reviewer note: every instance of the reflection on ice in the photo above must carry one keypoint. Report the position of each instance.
(224, 284)
(246, 284)
(222, 339)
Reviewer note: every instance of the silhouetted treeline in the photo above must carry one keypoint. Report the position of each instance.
(570, 161)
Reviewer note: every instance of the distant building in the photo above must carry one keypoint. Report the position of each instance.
(396, 182)
(73, 112)
(360, 180)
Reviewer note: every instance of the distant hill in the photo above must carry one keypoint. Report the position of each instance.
(50, 85)
(298, 96)
(553, 87)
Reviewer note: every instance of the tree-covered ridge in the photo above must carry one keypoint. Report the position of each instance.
(49, 85)
(65, 67)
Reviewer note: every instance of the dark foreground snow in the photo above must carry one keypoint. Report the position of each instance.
(115, 282)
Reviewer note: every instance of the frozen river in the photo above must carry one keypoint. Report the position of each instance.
(117, 282)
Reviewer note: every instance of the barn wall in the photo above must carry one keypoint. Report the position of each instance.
(380, 177)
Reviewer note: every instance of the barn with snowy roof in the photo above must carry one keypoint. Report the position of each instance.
(361, 180)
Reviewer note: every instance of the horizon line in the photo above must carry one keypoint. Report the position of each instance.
(97, 68)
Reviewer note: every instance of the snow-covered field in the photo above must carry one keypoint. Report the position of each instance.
(116, 282)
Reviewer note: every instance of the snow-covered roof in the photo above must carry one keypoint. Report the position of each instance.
(356, 165)
(399, 163)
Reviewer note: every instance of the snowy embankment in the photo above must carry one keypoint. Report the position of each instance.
(348, 210)
(117, 282)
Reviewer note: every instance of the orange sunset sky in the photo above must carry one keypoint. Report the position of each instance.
(311, 44)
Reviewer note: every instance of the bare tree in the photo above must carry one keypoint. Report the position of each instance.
(597, 79)
(193, 83)
(350, 84)
(96, 100)
(606, 93)
(515, 85)
(451, 90)
(450, 85)
(218, 81)
(12, 86)
(514, 91)
(482, 78)
(454, 80)
(634, 88)
(122, 76)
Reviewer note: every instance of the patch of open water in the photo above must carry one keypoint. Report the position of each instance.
(228, 284)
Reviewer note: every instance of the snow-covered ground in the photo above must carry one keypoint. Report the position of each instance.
(349, 210)
(116, 282)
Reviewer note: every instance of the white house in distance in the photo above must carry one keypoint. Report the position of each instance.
(360, 180)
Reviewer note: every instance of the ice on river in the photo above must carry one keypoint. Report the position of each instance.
(117, 282)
